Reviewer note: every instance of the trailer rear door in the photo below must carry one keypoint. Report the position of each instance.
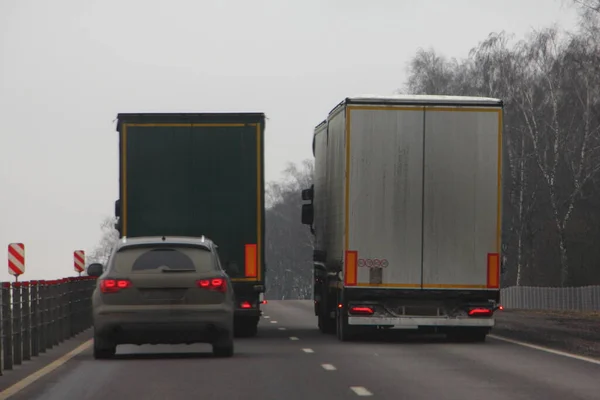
(385, 196)
(461, 219)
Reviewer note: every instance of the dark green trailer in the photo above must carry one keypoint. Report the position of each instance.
(194, 175)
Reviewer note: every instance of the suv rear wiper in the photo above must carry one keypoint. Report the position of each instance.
(167, 269)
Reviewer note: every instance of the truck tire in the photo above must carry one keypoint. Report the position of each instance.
(468, 335)
(103, 348)
(223, 348)
(345, 332)
(326, 325)
(245, 328)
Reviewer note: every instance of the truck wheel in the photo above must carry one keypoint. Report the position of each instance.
(345, 332)
(468, 335)
(244, 328)
(326, 324)
(476, 335)
(103, 348)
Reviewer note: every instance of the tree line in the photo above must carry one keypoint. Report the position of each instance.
(550, 83)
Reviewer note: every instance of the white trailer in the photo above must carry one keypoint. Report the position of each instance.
(406, 212)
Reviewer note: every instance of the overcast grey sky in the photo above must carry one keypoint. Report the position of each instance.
(67, 67)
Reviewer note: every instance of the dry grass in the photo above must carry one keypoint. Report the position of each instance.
(576, 332)
(554, 313)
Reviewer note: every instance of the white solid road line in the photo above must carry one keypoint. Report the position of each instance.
(308, 350)
(328, 367)
(281, 329)
(361, 391)
(294, 338)
(22, 384)
(547, 350)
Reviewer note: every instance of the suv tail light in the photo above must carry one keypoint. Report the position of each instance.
(361, 310)
(480, 312)
(214, 284)
(114, 285)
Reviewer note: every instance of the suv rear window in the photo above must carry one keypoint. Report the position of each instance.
(155, 259)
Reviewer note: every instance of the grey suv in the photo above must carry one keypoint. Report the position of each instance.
(157, 290)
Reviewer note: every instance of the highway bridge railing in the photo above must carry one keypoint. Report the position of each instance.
(39, 315)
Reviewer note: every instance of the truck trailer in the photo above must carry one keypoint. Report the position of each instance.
(405, 208)
(194, 175)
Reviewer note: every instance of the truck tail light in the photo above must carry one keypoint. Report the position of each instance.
(480, 312)
(114, 285)
(245, 305)
(214, 284)
(361, 310)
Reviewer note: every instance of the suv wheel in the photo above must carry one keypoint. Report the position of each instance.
(103, 348)
(223, 348)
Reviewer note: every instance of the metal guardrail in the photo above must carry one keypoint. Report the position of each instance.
(39, 315)
(584, 298)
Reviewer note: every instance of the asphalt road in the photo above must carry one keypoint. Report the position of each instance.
(291, 360)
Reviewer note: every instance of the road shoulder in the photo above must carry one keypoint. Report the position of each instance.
(27, 368)
(572, 332)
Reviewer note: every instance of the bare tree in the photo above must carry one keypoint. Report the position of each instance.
(110, 237)
(289, 244)
(550, 85)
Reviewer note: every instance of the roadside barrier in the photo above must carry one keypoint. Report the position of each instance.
(39, 315)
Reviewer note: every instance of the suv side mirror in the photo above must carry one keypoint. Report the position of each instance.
(307, 194)
(95, 269)
(307, 214)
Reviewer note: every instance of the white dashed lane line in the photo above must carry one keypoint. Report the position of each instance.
(281, 329)
(273, 322)
(361, 391)
(266, 316)
(294, 338)
(328, 367)
(308, 350)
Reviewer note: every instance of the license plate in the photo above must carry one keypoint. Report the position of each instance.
(164, 294)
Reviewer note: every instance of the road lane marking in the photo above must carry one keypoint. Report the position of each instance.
(281, 329)
(273, 322)
(308, 350)
(23, 383)
(328, 367)
(294, 338)
(361, 391)
(266, 316)
(547, 350)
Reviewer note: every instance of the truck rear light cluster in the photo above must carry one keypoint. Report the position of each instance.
(245, 305)
(361, 310)
(480, 312)
(215, 284)
(114, 285)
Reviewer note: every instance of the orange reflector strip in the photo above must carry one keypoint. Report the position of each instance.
(493, 271)
(351, 268)
(251, 264)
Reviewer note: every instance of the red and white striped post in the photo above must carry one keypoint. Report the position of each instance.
(16, 260)
(79, 258)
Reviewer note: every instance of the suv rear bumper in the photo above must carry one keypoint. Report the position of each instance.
(140, 325)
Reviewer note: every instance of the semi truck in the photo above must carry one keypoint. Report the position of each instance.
(199, 174)
(405, 209)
